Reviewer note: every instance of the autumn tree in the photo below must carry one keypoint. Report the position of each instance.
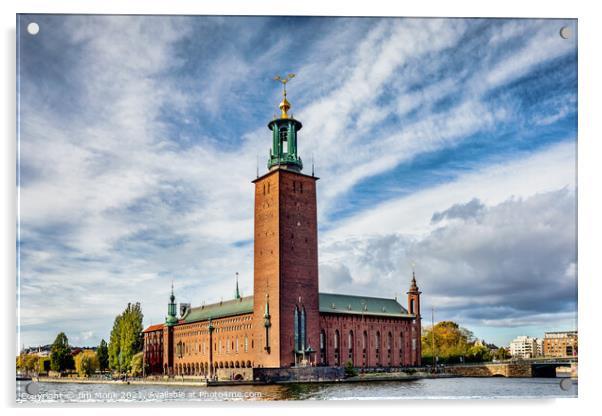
(86, 363)
(136, 368)
(451, 342)
(478, 353)
(27, 362)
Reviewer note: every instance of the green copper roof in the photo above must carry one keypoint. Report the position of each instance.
(329, 303)
(360, 305)
(221, 309)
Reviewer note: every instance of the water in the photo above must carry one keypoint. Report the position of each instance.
(460, 388)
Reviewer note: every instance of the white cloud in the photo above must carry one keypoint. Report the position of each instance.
(544, 45)
(545, 171)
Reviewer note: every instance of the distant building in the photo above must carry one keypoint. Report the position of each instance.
(539, 345)
(560, 344)
(524, 347)
(491, 347)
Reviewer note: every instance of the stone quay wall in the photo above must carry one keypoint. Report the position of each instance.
(490, 370)
(278, 375)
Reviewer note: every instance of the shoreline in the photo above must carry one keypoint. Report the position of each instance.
(203, 383)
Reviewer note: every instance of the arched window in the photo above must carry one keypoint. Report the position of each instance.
(284, 139)
(337, 360)
(323, 347)
(246, 343)
(377, 348)
(296, 328)
(302, 330)
(411, 306)
(389, 348)
(299, 329)
(350, 346)
(401, 348)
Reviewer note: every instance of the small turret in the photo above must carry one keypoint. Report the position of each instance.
(284, 135)
(237, 292)
(414, 297)
(171, 319)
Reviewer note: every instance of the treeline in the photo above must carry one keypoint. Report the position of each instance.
(454, 344)
(123, 353)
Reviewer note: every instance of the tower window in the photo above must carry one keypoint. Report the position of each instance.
(283, 140)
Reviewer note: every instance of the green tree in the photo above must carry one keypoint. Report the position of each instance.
(126, 338)
(86, 363)
(60, 354)
(114, 344)
(102, 353)
(478, 353)
(502, 354)
(136, 367)
(349, 370)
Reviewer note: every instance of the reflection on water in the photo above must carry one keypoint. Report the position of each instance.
(417, 389)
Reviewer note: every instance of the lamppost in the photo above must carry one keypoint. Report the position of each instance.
(210, 328)
(433, 336)
(143, 355)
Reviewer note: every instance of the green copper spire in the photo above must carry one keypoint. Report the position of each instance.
(171, 319)
(237, 294)
(284, 135)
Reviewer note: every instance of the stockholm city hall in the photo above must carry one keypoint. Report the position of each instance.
(287, 326)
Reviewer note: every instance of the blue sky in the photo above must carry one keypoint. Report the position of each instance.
(450, 143)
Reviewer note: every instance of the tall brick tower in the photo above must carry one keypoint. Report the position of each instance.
(286, 317)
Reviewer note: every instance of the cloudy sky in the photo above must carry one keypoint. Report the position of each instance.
(449, 143)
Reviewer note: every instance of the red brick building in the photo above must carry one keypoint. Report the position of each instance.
(287, 323)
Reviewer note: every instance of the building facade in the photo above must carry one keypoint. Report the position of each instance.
(524, 347)
(560, 344)
(287, 322)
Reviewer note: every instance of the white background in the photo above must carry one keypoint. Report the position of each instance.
(589, 156)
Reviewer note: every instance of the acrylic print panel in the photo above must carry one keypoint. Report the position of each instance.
(176, 243)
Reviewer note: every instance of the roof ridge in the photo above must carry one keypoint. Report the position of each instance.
(220, 303)
(355, 296)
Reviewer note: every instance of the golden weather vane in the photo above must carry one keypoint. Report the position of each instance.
(284, 105)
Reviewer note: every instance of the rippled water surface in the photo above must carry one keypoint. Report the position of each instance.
(418, 389)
